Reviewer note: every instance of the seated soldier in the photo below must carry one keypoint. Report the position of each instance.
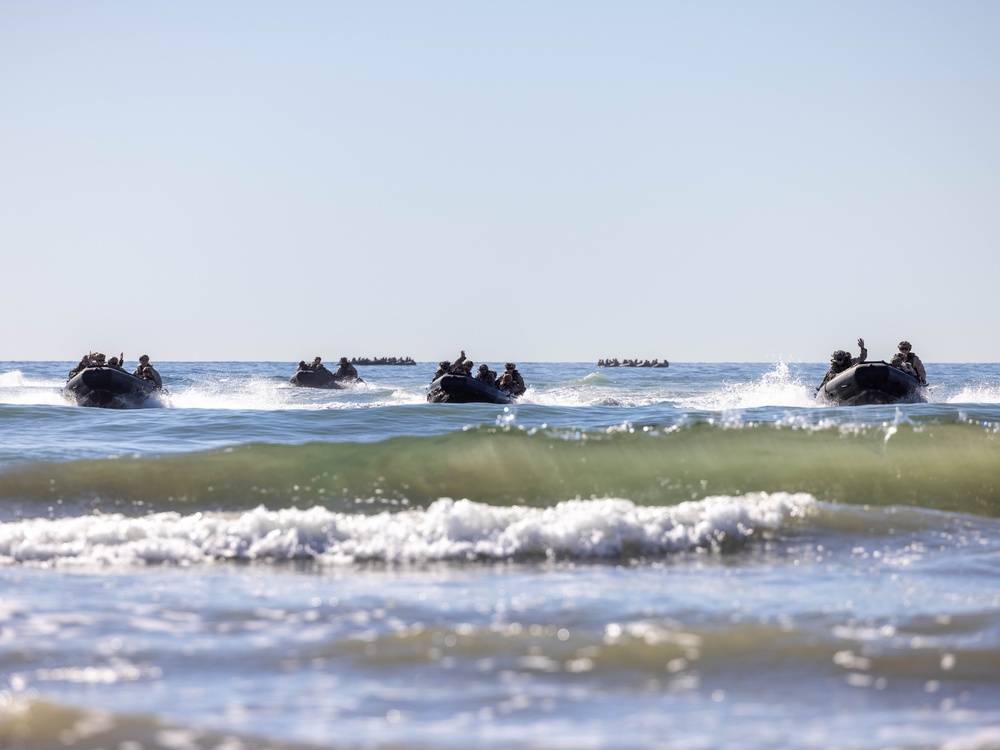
(899, 361)
(906, 352)
(458, 366)
(346, 371)
(511, 380)
(486, 375)
(443, 367)
(841, 360)
(83, 365)
(143, 366)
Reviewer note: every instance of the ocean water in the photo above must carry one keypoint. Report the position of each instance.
(692, 557)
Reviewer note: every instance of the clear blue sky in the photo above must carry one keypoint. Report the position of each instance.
(696, 181)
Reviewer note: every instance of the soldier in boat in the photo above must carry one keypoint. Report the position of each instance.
(841, 360)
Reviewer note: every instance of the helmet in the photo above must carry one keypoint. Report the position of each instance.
(840, 355)
(905, 345)
(510, 366)
(483, 368)
(343, 360)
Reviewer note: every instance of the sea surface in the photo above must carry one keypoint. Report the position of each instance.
(692, 557)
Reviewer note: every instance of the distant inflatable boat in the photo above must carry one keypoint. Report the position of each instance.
(383, 361)
(632, 363)
(320, 379)
(465, 389)
(109, 387)
(873, 383)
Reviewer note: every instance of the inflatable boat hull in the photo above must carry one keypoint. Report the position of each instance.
(464, 389)
(873, 383)
(109, 387)
(320, 379)
(314, 379)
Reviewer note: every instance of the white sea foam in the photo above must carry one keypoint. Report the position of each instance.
(984, 393)
(267, 394)
(775, 388)
(256, 393)
(12, 379)
(597, 394)
(445, 530)
(16, 388)
(975, 739)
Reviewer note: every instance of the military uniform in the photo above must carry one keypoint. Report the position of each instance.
(486, 375)
(913, 361)
(511, 380)
(346, 371)
(900, 362)
(84, 364)
(841, 360)
(458, 366)
(147, 371)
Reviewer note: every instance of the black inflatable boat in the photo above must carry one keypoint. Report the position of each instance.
(872, 383)
(465, 389)
(321, 379)
(109, 387)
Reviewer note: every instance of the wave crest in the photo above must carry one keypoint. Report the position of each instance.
(447, 529)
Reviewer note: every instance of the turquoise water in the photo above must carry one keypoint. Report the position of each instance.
(697, 556)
